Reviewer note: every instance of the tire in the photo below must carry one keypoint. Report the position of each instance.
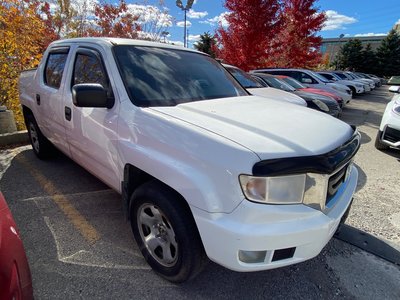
(353, 91)
(166, 233)
(40, 144)
(378, 144)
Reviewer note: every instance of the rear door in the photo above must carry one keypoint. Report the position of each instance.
(49, 97)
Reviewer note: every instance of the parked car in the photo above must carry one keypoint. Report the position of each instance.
(204, 169)
(311, 79)
(366, 76)
(355, 87)
(318, 102)
(383, 80)
(394, 80)
(355, 76)
(15, 276)
(344, 76)
(256, 88)
(300, 87)
(389, 129)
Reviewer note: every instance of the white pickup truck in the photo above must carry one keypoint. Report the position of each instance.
(204, 168)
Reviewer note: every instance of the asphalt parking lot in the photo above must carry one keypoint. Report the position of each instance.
(79, 245)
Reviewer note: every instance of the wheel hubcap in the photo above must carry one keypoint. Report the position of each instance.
(34, 137)
(157, 234)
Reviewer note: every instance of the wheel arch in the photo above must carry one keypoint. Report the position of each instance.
(27, 111)
(134, 178)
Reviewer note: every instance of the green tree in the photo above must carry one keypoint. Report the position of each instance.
(368, 60)
(350, 56)
(206, 44)
(389, 55)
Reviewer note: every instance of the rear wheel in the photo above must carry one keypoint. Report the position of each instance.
(40, 145)
(378, 144)
(166, 233)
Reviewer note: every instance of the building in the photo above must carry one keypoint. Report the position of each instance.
(331, 46)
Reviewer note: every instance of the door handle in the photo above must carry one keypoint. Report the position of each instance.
(68, 113)
(38, 99)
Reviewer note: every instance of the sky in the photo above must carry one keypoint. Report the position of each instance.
(347, 17)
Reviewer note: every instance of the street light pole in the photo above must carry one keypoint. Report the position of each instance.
(185, 9)
(184, 30)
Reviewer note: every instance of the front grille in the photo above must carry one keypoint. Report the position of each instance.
(391, 135)
(334, 183)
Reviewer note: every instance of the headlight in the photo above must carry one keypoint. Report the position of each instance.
(358, 85)
(396, 107)
(274, 190)
(310, 189)
(321, 105)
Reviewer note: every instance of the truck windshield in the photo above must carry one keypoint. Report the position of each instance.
(167, 77)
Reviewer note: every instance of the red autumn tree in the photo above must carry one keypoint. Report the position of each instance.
(298, 42)
(114, 21)
(50, 26)
(248, 39)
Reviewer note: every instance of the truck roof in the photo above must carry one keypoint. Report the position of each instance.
(108, 42)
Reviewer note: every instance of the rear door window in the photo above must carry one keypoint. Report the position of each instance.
(54, 68)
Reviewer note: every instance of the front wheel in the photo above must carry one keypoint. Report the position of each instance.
(166, 233)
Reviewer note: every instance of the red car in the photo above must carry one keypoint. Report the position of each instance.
(298, 86)
(15, 276)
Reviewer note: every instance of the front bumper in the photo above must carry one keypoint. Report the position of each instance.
(345, 96)
(359, 90)
(258, 237)
(390, 127)
(390, 136)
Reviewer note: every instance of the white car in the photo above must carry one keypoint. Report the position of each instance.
(369, 81)
(343, 76)
(313, 80)
(389, 130)
(255, 88)
(356, 87)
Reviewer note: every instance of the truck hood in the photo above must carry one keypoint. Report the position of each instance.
(271, 129)
(276, 94)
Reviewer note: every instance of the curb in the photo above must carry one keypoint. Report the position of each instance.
(18, 137)
(367, 242)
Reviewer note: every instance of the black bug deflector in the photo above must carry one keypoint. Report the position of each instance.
(321, 164)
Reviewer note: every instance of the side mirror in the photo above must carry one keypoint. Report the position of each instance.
(91, 95)
(394, 89)
(306, 80)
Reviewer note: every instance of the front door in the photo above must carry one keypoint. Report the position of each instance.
(92, 132)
